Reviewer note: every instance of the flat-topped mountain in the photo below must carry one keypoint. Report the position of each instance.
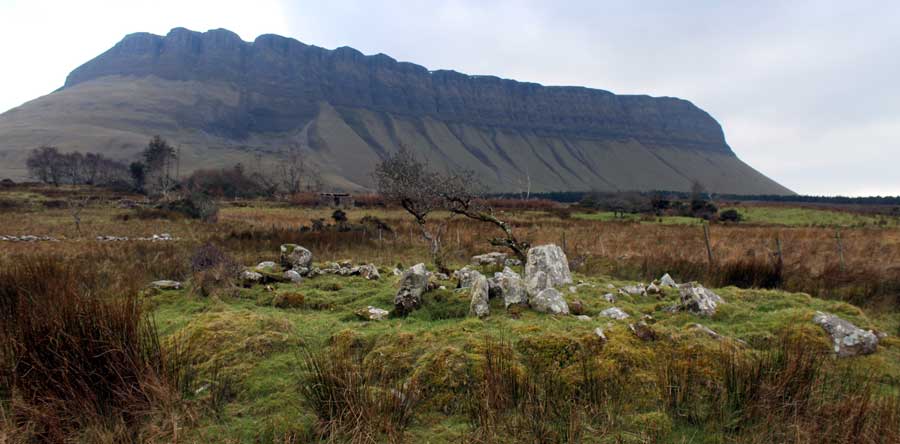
(224, 100)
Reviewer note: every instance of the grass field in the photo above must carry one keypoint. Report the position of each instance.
(292, 363)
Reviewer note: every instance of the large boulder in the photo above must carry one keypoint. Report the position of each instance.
(550, 301)
(413, 283)
(512, 287)
(295, 257)
(699, 300)
(849, 340)
(551, 260)
(536, 282)
(480, 305)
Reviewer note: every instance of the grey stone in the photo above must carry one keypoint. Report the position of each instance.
(489, 259)
(583, 318)
(479, 306)
(295, 257)
(413, 283)
(512, 287)
(250, 277)
(614, 313)
(370, 272)
(293, 276)
(633, 290)
(466, 276)
(371, 313)
(267, 266)
(849, 340)
(551, 260)
(609, 297)
(699, 300)
(599, 332)
(551, 301)
(667, 281)
(166, 285)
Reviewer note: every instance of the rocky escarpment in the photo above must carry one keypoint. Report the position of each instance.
(282, 81)
(224, 100)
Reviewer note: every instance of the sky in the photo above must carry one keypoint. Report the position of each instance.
(807, 92)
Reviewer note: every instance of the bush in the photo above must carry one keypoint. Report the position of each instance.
(730, 215)
(195, 206)
(213, 270)
(73, 357)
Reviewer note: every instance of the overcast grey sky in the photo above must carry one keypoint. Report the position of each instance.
(807, 92)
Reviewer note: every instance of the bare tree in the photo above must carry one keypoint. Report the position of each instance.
(296, 175)
(46, 165)
(463, 194)
(404, 180)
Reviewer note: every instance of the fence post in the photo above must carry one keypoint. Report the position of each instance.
(709, 251)
(840, 246)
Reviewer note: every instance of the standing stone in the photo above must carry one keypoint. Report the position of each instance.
(551, 260)
(699, 300)
(512, 287)
(413, 283)
(550, 301)
(295, 257)
(466, 277)
(480, 306)
(848, 339)
(536, 282)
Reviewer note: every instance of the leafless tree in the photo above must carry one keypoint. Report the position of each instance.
(404, 180)
(46, 165)
(463, 194)
(159, 158)
(296, 175)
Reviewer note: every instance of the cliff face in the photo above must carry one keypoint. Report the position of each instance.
(252, 97)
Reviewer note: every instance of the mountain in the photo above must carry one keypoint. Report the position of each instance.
(224, 100)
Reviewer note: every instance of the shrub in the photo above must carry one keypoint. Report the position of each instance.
(730, 215)
(74, 357)
(195, 206)
(212, 270)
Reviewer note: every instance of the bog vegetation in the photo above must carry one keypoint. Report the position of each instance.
(91, 352)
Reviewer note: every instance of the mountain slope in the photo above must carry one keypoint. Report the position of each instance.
(224, 100)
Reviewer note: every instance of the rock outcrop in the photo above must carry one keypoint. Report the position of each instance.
(413, 283)
(225, 99)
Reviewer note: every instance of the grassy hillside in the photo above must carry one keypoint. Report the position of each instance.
(116, 116)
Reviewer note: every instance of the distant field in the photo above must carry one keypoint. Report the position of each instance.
(762, 215)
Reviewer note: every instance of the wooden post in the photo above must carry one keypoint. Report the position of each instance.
(709, 251)
(564, 246)
(840, 246)
(779, 256)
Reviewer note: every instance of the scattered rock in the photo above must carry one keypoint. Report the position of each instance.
(28, 238)
(512, 262)
(295, 257)
(609, 297)
(250, 277)
(653, 289)
(667, 281)
(413, 283)
(166, 285)
(293, 276)
(599, 332)
(441, 276)
(610, 287)
(370, 272)
(552, 261)
(267, 266)
(549, 301)
(480, 296)
(706, 330)
(573, 289)
(536, 282)
(643, 331)
(489, 259)
(633, 290)
(396, 271)
(466, 277)
(371, 313)
(849, 340)
(512, 288)
(583, 317)
(699, 300)
(614, 313)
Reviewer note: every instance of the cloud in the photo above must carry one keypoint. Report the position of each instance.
(805, 91)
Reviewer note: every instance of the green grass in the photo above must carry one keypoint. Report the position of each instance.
(810, 217)
(262, 346)
(608, 216)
